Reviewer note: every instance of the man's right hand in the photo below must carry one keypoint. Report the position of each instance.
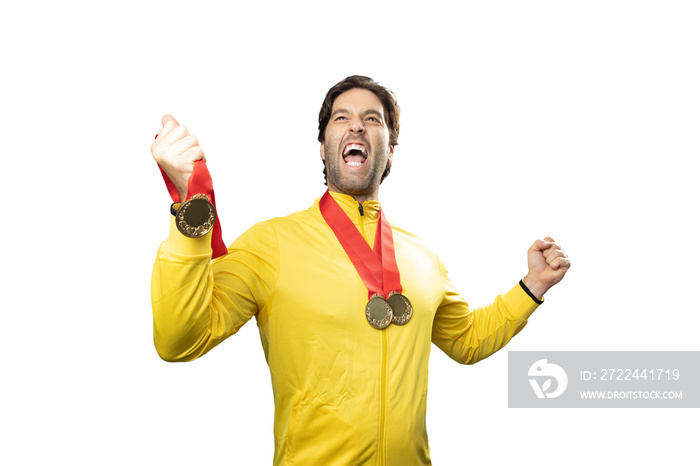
(176, 151)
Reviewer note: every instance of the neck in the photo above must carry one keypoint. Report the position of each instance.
(361, 198)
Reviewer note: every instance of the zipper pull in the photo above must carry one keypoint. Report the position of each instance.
(362, 211)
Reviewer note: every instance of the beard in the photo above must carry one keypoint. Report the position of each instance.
(355, 185)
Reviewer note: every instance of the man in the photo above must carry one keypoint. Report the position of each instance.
(346, 329)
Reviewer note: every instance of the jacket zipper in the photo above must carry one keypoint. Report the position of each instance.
(384, 369)
(363, 232)
(383, 402)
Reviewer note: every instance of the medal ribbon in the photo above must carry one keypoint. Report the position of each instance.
(200, 183)
(377, 268)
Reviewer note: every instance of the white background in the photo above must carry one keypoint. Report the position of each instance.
(519, 120)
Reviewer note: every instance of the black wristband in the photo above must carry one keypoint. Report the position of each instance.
(529, 293)
(173, 210)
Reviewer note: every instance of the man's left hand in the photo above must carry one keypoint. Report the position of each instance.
(547, 263)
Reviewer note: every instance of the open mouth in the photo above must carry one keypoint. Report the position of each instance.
(354, 154)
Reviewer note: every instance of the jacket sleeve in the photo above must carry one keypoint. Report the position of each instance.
(468, 336)
(198, 303)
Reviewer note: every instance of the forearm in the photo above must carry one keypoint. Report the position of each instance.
(468, 336)
(535, 287)
(181, 294)
(198, 303)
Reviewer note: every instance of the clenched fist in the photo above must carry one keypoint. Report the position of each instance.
(176, 151)
(547, 264)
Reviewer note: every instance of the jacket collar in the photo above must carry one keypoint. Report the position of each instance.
(351, 207)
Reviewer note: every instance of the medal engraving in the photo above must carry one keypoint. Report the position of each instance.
(378, 312)
(401, 308)
(196, 217)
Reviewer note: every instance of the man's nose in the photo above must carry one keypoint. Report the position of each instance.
(356, 126)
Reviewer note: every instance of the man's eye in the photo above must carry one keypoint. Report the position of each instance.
(341, 118)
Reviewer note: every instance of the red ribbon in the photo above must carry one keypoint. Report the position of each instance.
(377, 268)
(200, 183)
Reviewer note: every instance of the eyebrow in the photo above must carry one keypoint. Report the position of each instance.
(365, 113)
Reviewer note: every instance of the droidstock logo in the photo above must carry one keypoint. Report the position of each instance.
(545, 372)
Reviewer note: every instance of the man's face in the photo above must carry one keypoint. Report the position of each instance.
(356, 149)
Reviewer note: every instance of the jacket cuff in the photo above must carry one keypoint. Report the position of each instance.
(520, 303)
(529, 293)
(181, 244)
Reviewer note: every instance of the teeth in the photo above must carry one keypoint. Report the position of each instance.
(359, 147)
(354, 164)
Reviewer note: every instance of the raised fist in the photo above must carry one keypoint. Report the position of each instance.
(547, 264)
(176, 151)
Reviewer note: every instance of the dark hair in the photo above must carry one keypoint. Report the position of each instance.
(387, 98)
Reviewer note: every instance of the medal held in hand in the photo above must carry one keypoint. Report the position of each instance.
(195, 218)
(197, 215)
(377, 267)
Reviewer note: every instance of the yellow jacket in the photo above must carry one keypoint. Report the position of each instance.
(345, 393)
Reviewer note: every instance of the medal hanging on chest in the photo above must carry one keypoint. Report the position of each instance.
(377, 268)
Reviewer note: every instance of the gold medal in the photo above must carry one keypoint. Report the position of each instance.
(196, 217)
(401, 308)
(378, 312)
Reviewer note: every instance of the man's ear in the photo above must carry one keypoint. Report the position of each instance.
(391, 154)
(323, 153)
